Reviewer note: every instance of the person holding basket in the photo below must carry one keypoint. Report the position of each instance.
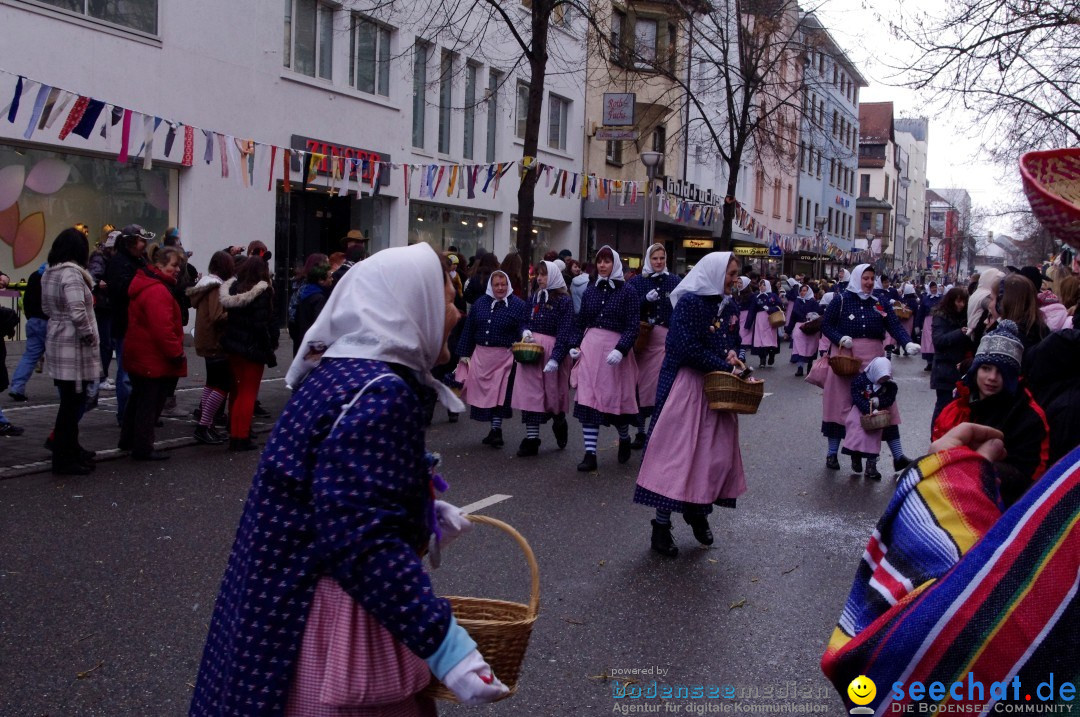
(692, 457)
(873, 399)
(325, 607)
(805, 309)
(856, 322)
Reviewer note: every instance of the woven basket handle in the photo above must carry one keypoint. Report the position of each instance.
(534, 568)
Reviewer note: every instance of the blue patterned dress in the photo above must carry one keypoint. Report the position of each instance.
(768, 302)
(614, 308)
(555, 317)
(501, 327)
(351, 501)
(655, 312)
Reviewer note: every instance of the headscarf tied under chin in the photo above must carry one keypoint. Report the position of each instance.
(855, 282)
(491, 292)
(616, 266)
(554, 281)
(647, 269)
(878, 369)
(707, 278)
(391, 307)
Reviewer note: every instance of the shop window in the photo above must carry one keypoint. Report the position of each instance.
(494, 80)
(419, 105)
(443, 227)
(369, 61)
(558, 115)
(139, 15)
(309, 38)
(522, 109)
(446, 84)
(469, 132)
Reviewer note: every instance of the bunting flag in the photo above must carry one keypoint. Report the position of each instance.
(273, 163)
(208, 151)
(13, 106)
(39, 106)
(189, 146)
(125, 137)
(286, 170)
(73, 117)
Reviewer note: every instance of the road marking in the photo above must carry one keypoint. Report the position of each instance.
(480, 504)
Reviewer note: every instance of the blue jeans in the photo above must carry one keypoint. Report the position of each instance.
(123, 383)
(104, 327)
(36, 329)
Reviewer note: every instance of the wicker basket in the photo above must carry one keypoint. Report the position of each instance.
(527, 352)
(811, 327)
(644, 331)
(902, 312)
(845, 365)
(1052, 184)
(777, 319)
(727, 392)
(501, 628)
(875, 421)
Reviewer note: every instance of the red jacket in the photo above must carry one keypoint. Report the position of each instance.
(154, 343)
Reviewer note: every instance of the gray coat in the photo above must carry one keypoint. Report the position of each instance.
(71, 344)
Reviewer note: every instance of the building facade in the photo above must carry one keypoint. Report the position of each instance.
(912, 136)
(878, 189)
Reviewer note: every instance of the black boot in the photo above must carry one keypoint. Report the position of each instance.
(242, 444)
(207, 436)
(761, 362)
(624, 450)
(451, 416)
(561, 430)
(662, 542)
(588, 463)
(871, 470)
(528, 447)
(856, 464)
(832, 462)
(900, 463)
(639, 441)
(494, 438)
(799, 371)
(772, 357)
(700, 525)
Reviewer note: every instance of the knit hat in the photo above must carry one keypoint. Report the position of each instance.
(1001, 347)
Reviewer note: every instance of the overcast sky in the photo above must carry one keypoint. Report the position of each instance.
(953, 151)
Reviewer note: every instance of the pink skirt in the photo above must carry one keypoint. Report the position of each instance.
(488, 376)
(857, 439)
(823, 342)
(746, 335)
(648, 367)
(836, 401)
(608, 389)
(908, 324)
(349, 665)
(764, 333)
(542, 392)
(927, 346)
(787, 312)
(693, 453)
(805, 344)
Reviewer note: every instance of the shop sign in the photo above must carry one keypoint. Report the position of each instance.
(614, 134)
(698, 243)
(843, 201)
(323, 168)
(618, 109)
(690, 192)
(805, 257)
(751, 251)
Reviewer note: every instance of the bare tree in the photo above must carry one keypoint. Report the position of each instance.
(1015, 63)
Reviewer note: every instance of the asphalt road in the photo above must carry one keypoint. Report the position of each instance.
(107, 582)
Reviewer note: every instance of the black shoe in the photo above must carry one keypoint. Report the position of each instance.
(799, 371)
(700, 525)
(86, 455)
(561, 430)
(832, 462)
(856, 464)
(528, 447)
(451, 416)
(71, 469)
(928, 367)
(242, 444)
(123, 446)
(661, 541)
(624, 450)
(639, 442)
(494, 438)
(772, 358)
(10, 429)
(588, 463)
(151, 456)
(761, 363)
(872, 471)
(260, 411)
(901, 463)
(18, 397)
(207, 436)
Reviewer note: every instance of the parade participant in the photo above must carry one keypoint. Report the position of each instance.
(653, 288)
(952, 346)
(855, 321)
(842, 280)
(925, 319)
(606, 329)
(804, 346)
(210, 322)
(545, 385)
(745, 296)
(823, 340)
(765, 344)
(872, 390)
(910, 299)
(493, 325)
(348, 526)
(993, 394)
(791, 296)
(692, 458)
(478, 282)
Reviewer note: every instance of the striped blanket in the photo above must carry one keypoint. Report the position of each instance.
(946, 587)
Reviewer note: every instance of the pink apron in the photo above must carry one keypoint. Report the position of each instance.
(805, 344)
(649, 362)
(488, 376)
(608, 389)
(542, 392)
(908, 324)
(836, 401)
(857, 439)
(746, 335)
(927, 346)
(764, 333)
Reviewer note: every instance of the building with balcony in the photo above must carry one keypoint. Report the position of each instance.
(878, 189)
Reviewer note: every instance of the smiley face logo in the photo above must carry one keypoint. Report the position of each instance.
(862, 690)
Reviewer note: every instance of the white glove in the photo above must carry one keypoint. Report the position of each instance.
(527, 337)
(614, 357)
(575, 353)
(913, 348)
(473, 682)
(846, 342)
(551, 366)
(653, 295)
(452, 522)
(464, 360)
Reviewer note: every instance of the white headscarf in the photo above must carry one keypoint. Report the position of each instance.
(491, 292)
(877, 369)
(809, 296)
(616, 267)
(987, 285)
(877, 283)
(909, 289)
(390, 307)
(844, 275)
(826, 299)
(855, 281)
(743, 283)
(646, 269)
(766, 285)
(706, 278)
(555, 281)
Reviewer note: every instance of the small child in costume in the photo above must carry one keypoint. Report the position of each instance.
(872, 391)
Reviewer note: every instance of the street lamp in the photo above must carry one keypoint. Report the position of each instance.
(651, 160)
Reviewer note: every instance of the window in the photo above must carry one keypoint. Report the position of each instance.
(879, 223)
(522, 109)
(886, 195)
(790, 200)
(446, 89)
(141, 15)
(832, 171)
(799, 216)
(659, 144)
(369, 61)
(309, 38)
(645, 43)
(419, 103)
(492, 112)
(802, 156)
(614, 152)
(759, 190)
(672, 47)
(864, 185)
(470, 111)
(864, 222)
(558, 113)
(819, 164)
(829, 223)
(776, 198)
(618, 28)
